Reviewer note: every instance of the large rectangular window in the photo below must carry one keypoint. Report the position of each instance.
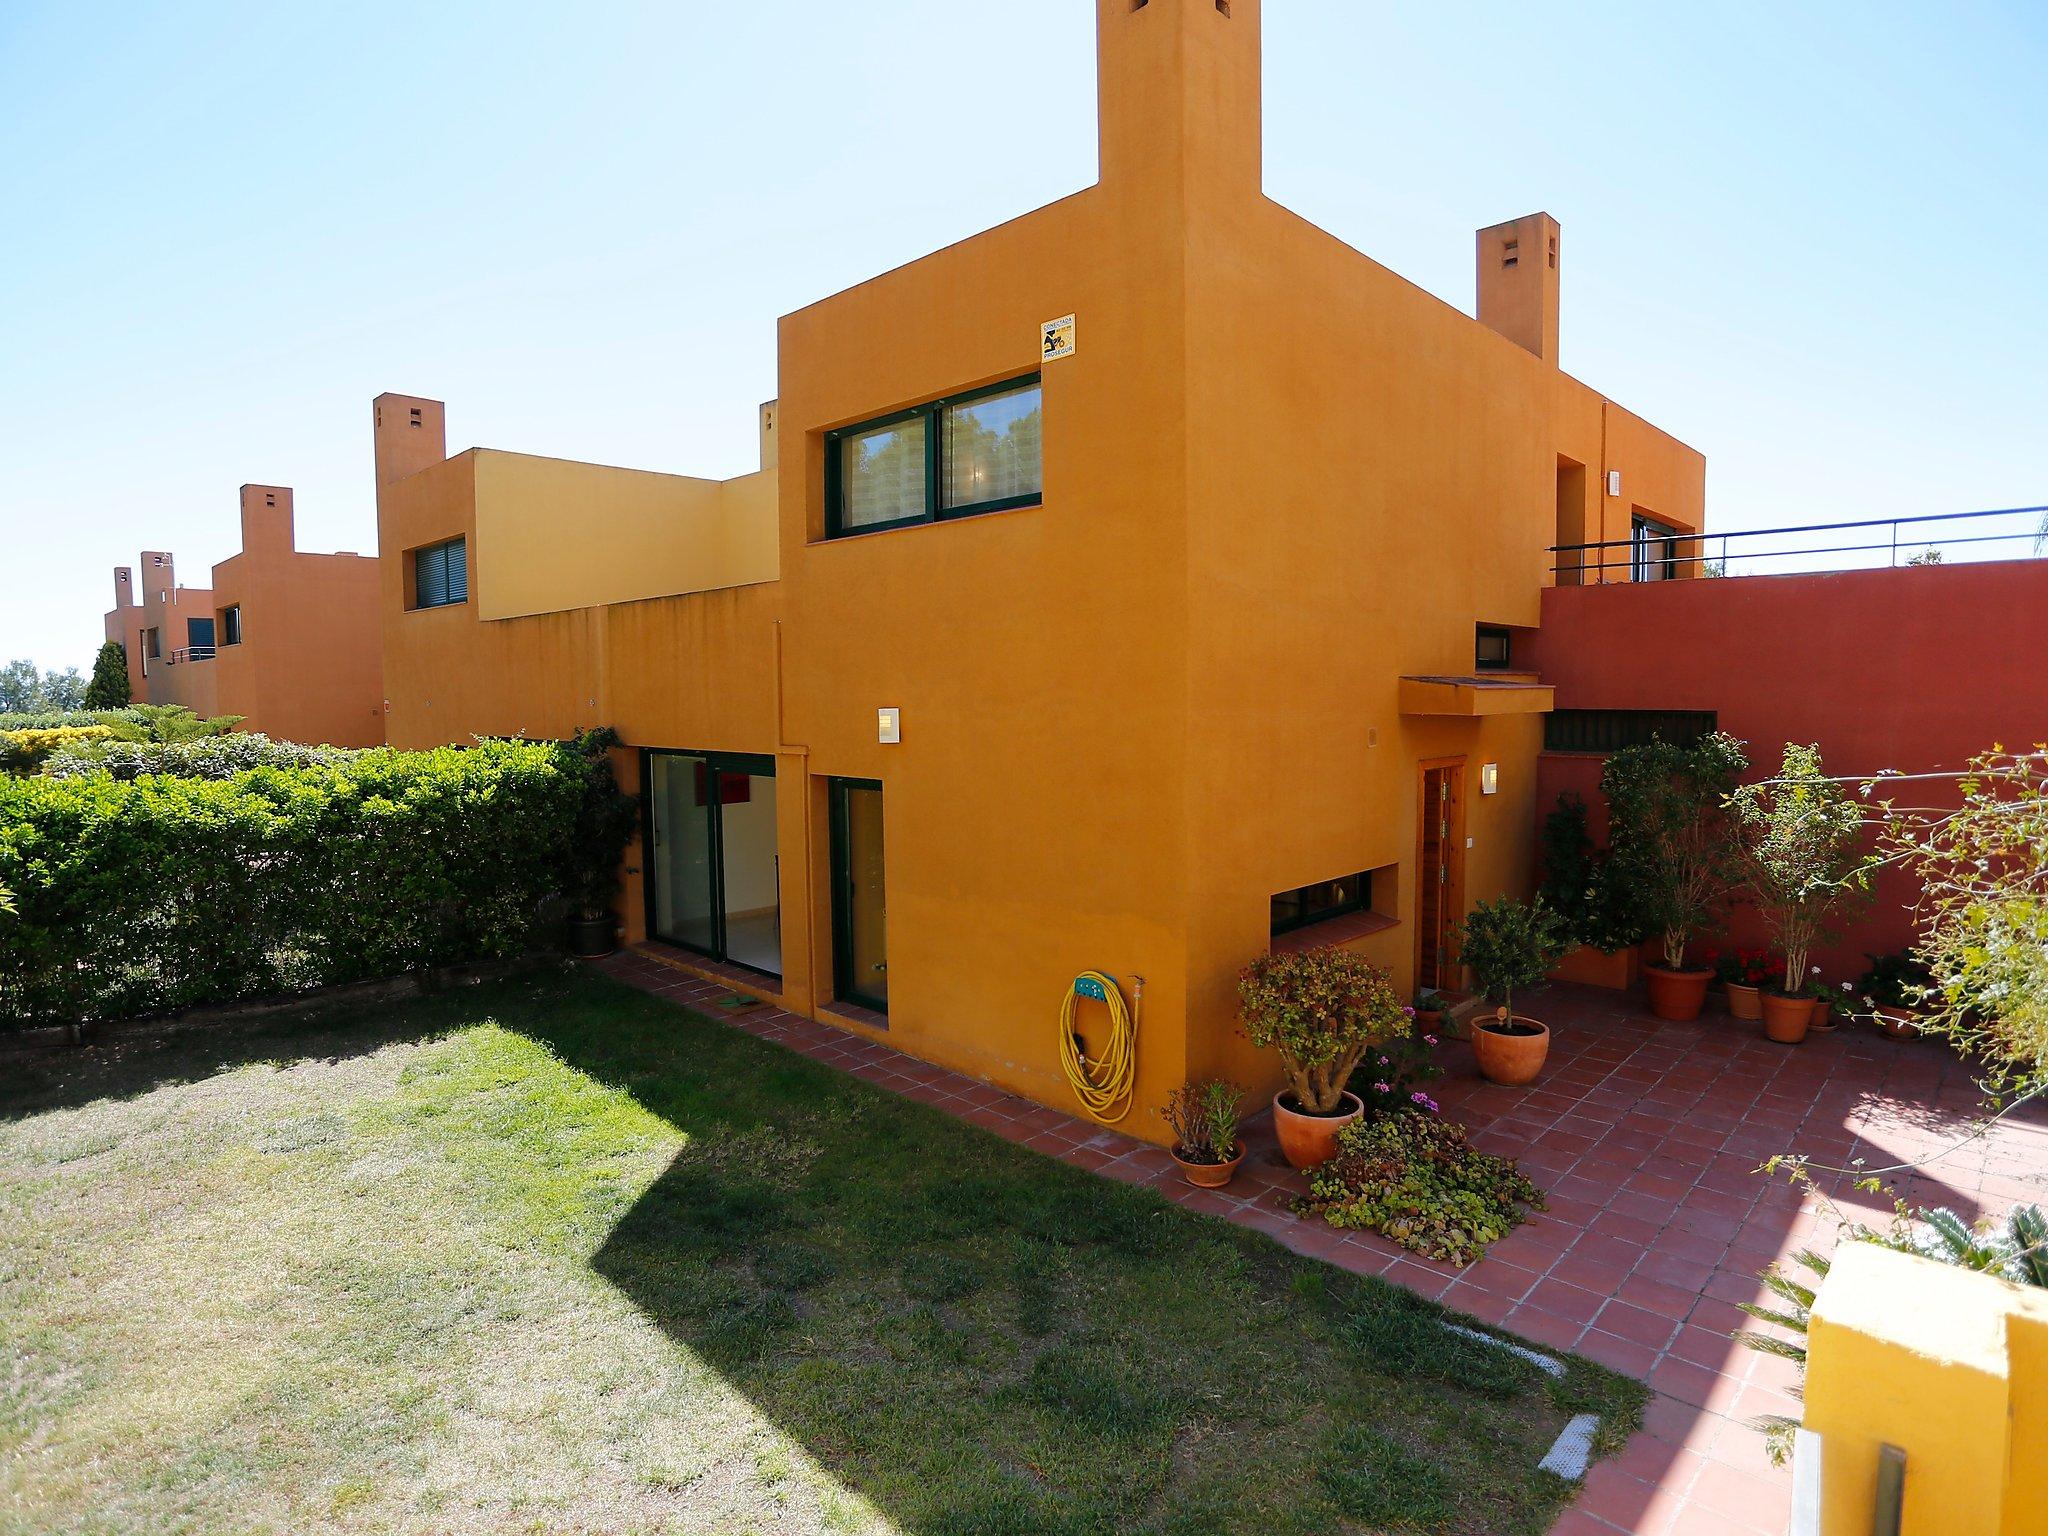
(199, 634)
(977, 452)
(1653, 550)
(440, 574)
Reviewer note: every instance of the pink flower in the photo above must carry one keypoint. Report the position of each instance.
(1382, 1088)
(1425, 1101)
(1429, 1039)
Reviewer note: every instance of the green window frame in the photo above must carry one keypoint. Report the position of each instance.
(940, 500)
(1308, 905)
(440, 574)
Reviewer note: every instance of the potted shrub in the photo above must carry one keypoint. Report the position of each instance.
(1800, 837)
(1744, 973)
(1321, 1009)
(1429, 1010)
(605, 823)
(1893, 989)
(1670, 847)
(1205, 1140)
(1509, 944)
(1829, 1000)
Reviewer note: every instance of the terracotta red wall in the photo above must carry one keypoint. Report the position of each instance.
(1915, 669)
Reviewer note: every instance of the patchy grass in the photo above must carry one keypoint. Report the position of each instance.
(552, 1256)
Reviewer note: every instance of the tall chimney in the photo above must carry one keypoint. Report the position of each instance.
(1177, 94)
(411, 433)
(159, 573)
(267, 519)
(1518, 282)
(124, 587)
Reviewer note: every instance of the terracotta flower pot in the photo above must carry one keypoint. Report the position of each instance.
(1745, 1002)
(591, 936)
(1899, 1023)
(1786, 1018)
(1823, 1021)
(1209, 1175)
(1510, 1059)
(1676, 995)
(1308, 1141)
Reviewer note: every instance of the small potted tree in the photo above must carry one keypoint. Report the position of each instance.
(1509, 944)
(1321, 1009)
(1670, 846)
(605, 824)
(1800, 837)
(1205, 1139)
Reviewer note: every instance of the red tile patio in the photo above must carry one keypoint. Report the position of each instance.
(1647, 1137)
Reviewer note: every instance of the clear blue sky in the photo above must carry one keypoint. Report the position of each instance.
(1809, 240)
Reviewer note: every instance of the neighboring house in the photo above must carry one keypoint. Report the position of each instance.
(289, 640)
(1190, 625)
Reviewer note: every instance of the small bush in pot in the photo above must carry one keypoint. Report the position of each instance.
(1414, 1178)
(1801, 835)
(1508, 944)
(1204, 1119)
(1670, 845)
(1745, 973)
(1322, 1010)
(1894, 990)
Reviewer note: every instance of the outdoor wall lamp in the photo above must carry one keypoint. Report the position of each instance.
(1489, 778)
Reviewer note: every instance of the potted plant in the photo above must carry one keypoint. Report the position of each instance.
(1830, 998)
(1321, 1009)
(1509, 944)
(1590, 892)
(1893, 989)
(1800, 837)
(1744, 973)
(1429, 1010)
(605, 823)
(1671, 851)
(1205, 1140)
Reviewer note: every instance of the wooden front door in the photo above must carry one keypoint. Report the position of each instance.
(1440, 873)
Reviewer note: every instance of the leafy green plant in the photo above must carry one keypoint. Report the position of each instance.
(1204, 1117)
(1414, 1178)
(1508, 944)
(109, 686)
(203, 757)
(1321, 1009)
(606, 820)
(165, 892)
(23, 751)
(1896, 979)
(174, 722)
(1583, 885)
(1390, 1077)
(1669, 839)
(1983, 869)
(1800, 833)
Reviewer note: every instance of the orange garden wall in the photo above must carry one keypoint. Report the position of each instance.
(1915, 669)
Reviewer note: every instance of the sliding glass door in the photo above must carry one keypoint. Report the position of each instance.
(860, 907)
(713, 878)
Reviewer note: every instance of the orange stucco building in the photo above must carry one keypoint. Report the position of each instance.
(289, 640)
(1150, 598)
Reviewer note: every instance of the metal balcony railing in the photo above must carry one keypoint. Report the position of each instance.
(1872, 543)
(190, 653)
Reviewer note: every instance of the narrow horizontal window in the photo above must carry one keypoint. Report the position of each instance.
(440, 574)
(1609, 730)
(977, 452)
(1321, 901)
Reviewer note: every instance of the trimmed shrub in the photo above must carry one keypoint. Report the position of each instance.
(163, 892)
(22, 751)
(1415, 1179)
(52, 719)
(205, 757)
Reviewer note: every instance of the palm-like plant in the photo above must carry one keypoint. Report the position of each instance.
(2015, 1250)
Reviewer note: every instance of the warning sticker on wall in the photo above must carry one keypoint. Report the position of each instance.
(1056, 338)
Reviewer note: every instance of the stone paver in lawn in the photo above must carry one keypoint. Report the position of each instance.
(1646, 1137)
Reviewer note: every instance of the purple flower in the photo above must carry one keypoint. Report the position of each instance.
(1426, 1102)
(1407, 1010)
(1429, 1039)
(1382, 1088)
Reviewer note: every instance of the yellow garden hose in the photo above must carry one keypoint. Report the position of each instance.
(1104, 1084)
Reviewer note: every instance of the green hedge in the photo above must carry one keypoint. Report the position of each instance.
(56, 719)
(169, 892)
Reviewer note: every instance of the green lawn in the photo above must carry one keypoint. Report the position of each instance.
(550, 1255)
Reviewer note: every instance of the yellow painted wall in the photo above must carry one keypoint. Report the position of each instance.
(1951, 1367)
(662, 534)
